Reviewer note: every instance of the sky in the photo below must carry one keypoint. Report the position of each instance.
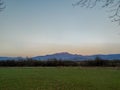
(40, 27)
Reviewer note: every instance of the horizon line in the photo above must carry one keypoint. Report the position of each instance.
(60, 53)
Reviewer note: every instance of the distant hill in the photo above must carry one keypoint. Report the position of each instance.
(60, 56)
(68, 56)
(76, 57)
(11, 58)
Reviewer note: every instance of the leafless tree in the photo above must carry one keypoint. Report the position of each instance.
(112, 5)
(2, 5)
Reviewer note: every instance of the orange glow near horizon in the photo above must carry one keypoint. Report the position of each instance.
(51, 49)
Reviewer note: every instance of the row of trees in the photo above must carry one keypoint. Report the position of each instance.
(99, 62)
(31, 62)
(55, 62)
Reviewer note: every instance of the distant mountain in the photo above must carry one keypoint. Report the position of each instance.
(60, 56)
(11, 58)
(76, 57)
(108, 57)
(5, 58)
(67, 56)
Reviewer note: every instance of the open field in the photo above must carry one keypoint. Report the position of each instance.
(59, 78)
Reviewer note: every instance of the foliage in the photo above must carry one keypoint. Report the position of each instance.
(54, 62)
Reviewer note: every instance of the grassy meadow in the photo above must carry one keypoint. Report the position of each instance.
(59, 78)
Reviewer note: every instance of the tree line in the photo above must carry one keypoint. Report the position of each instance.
(29, 62)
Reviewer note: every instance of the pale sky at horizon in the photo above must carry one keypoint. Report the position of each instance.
(39, 27)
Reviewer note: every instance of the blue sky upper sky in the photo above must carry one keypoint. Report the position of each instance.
(38, 27)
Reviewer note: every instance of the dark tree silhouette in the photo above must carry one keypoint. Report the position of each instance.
(2, 5)
(112, 5)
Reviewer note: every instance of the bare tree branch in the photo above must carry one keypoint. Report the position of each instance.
(2, 5)
(112, 5)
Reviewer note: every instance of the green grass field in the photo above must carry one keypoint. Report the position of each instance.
(59, 78)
